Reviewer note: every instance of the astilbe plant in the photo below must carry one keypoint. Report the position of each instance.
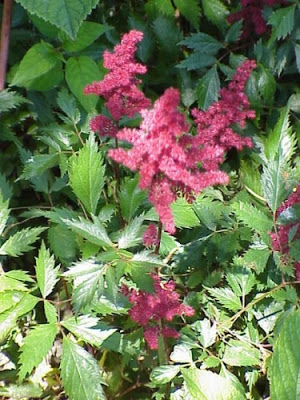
(170, 160)
(152, 310)
(280, 238)
(119, 87)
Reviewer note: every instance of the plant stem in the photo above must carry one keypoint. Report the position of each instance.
(159, 232)
(5, 34)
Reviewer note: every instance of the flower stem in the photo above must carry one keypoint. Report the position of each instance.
(159, 233)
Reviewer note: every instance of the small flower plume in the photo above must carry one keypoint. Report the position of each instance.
(120, 86)
(162, 305)
(280, 239)
(167, 156)
(150, 236)
(252, 16)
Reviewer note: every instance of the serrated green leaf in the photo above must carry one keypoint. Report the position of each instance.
(88, 329)
(87, 274)
(10, 100)
(46, 273)
(181, 354)
(164, 373)
(131, 198)
(9, 318)
(257, 259)
(266, 84)
(206, 385)
(216, 12)
(86, 174)
(190, 10)
(29, 69)
(9, 299)
(203, 43)
(184, 216)
(164, 7)
(267, 313)
(36, 345)
(67, 15)
(62, 242)
(67, 103)
(207, 332)
(19, 275)
(197, 60)
(289, 215)
(168, 35)
(241, 280)
(254, 218)
(87, 34)
(7, 283)
(77, 380)
(80, 72)
(226, 297)
(285, 382)
(234, 32)
(21, 242)
(238, 353)
(36, 165)
(207, 89)
(282, 22)
(50, 312)
(47, 81)
(131, 234)
(4, 213)
(94, 232)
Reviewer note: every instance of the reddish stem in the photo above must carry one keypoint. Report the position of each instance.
(159, 232)
(5, 35)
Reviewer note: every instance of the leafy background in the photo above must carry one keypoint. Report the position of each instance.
(64, 252)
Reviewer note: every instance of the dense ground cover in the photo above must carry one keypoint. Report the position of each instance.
(150, 200)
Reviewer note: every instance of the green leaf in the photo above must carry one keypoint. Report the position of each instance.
(241, 280)
(46, 273)
(62, 242)
(86, 174)
(131, 198)
(207, 89)
(30, 69)
(207, 332)
(164, 374)
(266, 85)
(67, 103)
(10, 100)
(289, 215)
(21, 392)
(9, 299)
(282, 22)
(47, 81)
(88, 329)
(50, 312)
(36, 346)
(87, 274)
(132, 233)
(203, 43)
(238, 353)
(5, 187)
(21, 242)
(67, 15)
(197, 60)
(9, 318)
(164, 7)
(297, 54)
(234, 32)
(183, 213)
(94, 232)
(216, 12)
(226, 297)
(4, 213)
(7, 283)
(257, 259)
(168, 35)
(253, 218)
(206, 385)
(36, 165)
(78, 370)
(79, 72)
(87, 34)
(181, 354)
(285, 382)
(190, 10)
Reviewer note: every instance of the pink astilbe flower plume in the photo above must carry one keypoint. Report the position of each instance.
(119, 87)
(168, 157)
(162, 305)
(280, 239)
